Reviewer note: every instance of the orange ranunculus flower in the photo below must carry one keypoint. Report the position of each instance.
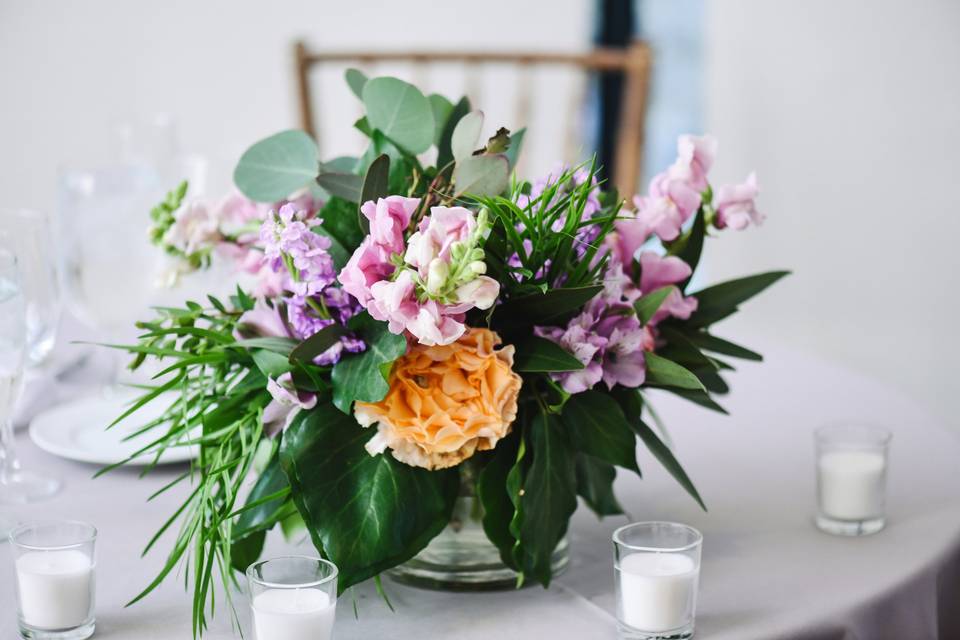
(445, 402)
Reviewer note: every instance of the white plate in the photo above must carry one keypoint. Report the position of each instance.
(78, 430)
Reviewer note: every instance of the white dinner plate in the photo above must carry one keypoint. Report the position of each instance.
(78, 431)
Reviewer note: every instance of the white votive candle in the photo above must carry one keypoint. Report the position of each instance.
(293, 614)
(657, 590)
(55, 588)
(852, 484)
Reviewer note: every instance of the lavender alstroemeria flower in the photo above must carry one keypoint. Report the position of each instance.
(287, 401)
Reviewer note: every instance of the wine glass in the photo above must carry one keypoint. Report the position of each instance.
(38, 269)
(16, 485)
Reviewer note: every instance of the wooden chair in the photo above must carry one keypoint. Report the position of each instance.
(634, 62)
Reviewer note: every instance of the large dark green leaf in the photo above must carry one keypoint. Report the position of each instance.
(549, 497)
(698, 397)
(632, 405)
(444, 150)
(597, 426)
(492, 492)
(358, 376)
(665, 373)
(376, 184)
(537, 354)
(339, 223)
(721, 300)
(541, 308)
(365, 513)
(401, 112)
(648, 304)
(595, 485)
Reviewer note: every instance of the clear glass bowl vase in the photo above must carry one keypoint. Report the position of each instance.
(462, 558)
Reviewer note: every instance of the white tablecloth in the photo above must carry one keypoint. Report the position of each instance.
(767, 572)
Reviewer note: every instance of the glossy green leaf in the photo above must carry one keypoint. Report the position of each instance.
(466, 135)
(721, 300)
(271, 363)
(698, 397)
(595, 485)
(376, 184)
(357, 376)
(692, 246)
(275, 167)
(549, 497)
(251, 526)
(536, 354)
(632, 405)
(365, 513)
(484, 175)
(597, 426)
(442, 108)
(714, 344)
(649, 303)
(665, 373)
(356, 80)
(492, 493)
(401, 112)
(316, 344)
(444, 150)
(543, 308)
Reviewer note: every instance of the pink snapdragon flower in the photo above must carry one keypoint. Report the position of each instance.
(736, 206)
(656, 272)
(695, 156)
(424, 285)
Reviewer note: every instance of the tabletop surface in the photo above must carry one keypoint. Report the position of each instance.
(766, 571)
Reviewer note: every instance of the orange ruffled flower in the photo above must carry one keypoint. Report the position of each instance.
(445, 402)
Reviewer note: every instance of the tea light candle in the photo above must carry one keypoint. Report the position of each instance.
(657, 590)
(852, 484)
(293, 614)
(55, 588)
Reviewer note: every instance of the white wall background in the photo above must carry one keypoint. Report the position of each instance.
(849, 110)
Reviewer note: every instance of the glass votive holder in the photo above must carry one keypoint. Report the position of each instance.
(293, 598)
(851, 478)
(54, 565)
(656, 573)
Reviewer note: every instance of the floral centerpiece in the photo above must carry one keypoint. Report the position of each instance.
(422, 328)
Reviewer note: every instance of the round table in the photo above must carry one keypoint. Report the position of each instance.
(766, 573)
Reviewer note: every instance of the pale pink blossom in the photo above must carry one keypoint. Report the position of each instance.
(695, 155)
(366, 266)
(262, 321)
(656, 272)
(736, 206)
(195, 227)
(481, 292)
(437, 234)
(389, 218)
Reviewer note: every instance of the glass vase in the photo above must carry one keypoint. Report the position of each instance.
(461, 557)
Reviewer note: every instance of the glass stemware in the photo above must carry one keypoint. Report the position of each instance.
(16, 485)
(38, 271)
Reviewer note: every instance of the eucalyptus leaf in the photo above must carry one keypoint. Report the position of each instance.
(365, 513)
(275, 167)
(536, 354)
(516, 144)
(357, 376)
(597, 426)
(466, 135)
(343, 185)
(401, 112)
(340, 164)
(356, 80)
(484, 175)
(442, 108)
(444, 151)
